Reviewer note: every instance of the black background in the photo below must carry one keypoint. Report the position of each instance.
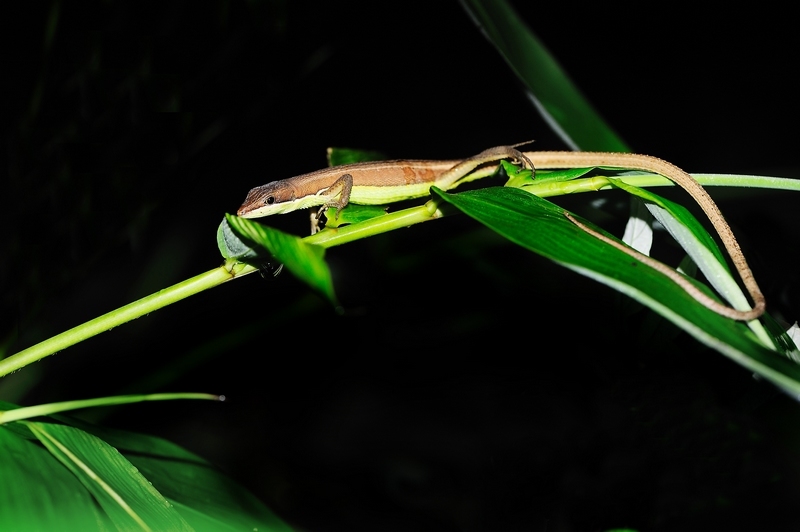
(469, 385)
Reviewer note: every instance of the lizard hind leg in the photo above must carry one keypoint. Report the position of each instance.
(503, 152)
(465, 167)
(520, 157)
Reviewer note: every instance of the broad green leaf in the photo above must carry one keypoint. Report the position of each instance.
(551, 91)
(130, 501)
(302, 259)
(206, 498)
(541, 226)
(38, 493)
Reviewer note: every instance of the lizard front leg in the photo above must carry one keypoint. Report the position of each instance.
(340, 188)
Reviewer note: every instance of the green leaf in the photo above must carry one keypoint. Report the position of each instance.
(206, 498)
(306, 261)
(126, 496)
(703, 250)
(231, 246)
(696, 230)
(541, 226)
(521, 177)
(38, 493)
(31, 478)
(551, 91)
(353, 214)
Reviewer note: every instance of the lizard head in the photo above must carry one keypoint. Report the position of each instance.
(277, 197)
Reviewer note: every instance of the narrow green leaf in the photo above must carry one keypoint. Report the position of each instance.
(541, 226)
(703, 250)
(126, 496)
(38, 493)
(551, 91)
(306, 261)
(696, 230)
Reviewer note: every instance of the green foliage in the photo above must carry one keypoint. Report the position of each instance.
(303, 260)
(54, 473)
(541, 226)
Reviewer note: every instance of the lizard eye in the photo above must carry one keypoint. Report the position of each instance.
(270, 200)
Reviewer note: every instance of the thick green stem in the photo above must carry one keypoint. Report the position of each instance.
(124, 314)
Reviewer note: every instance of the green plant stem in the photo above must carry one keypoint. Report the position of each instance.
(748, 181)
(129, 312)
(382, 224)
(548, 188)
(337, 236)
